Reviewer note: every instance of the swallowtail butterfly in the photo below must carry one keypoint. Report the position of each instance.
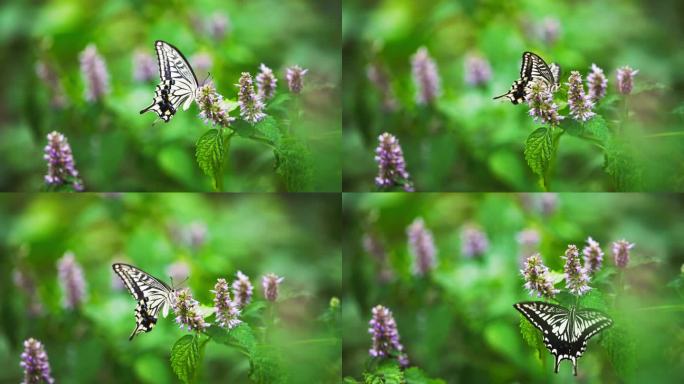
(178, 82)
(151, 294)
(565, 331)
(533, 68)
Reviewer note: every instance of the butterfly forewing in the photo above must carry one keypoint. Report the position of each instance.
(532, 68)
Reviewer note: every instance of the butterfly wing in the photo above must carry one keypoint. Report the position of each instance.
(587, 323)
(555, 71)
(532, 68)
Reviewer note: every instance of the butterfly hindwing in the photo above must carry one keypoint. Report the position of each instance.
(532, 68)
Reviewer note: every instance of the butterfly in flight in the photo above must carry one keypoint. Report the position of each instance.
(565, 331)
(178, 82)
(533, 68)
(151, 294)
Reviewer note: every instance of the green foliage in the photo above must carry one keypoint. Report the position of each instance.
(293, 164)
(539, 150)
(621, 165)
(185, 355)
(619, 341)
(387, 372)
(532, 336)
(209, 153)
(415, 375)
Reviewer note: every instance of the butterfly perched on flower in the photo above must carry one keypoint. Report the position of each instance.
(533, 68)
(565, 331)
(178, 82)
(151, 294)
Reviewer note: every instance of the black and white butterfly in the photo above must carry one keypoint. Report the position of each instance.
(532, 68)
(151, 294)
(565, 331)
(178, 82)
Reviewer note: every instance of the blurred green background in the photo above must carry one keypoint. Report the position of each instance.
(210, 236)
(115, 148)
(459, 323)
(468, 142)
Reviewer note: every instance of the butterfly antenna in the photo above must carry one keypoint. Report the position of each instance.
(206, 78)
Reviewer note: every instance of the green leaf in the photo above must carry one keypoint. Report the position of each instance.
(241, 337)
(294, 164)
(415, 375)
(209, 154)
(622, 167)
(539, 149)
(593, 300)
(531, 335)
(184, 357)
(386, 373)
(620, 344)
(268, 128)
(266, 366)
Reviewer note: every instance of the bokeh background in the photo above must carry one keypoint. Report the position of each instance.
(115, 148)
(468, 142)
(202, 236)
(458, 323)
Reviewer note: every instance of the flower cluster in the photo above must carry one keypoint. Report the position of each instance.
(579, 103)
(576, 277)
(425, 77)
(391, 164)
(380, 79)
(621, 250)
(422, 247)
(71, 280)
(477, 70)
(187, 311)
(270, 283)
(34, 361)
(550, 30)
(266, 82)
(542, 107)
(212, 107)
(593, 256)
(251, 105)
(144, 67)
(218, 25)
(94, 72)
(242, 290)
(385, 336)
(625, 79)
(474, 242)
(537, 279)
(295, 78)
(528, 239)
(47, 74)
(227, 310)
(597, 83)
(60, 162)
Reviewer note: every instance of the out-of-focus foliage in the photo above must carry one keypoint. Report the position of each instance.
(458, 321)
(465, 141)
(297, 339)
(116, 148)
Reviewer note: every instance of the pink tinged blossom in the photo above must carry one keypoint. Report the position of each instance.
(576, 277)
(71, 280)
(251, 104)
(47, 74)
(60, 161)
(380, 79)
(266, 82)
(625, 79)
(95, 75)
(537, 279)
(270, 283)
(385, 336)
(579, 103)
(34, 361)
(213, 109)
(425, 77)
(474, 242)
(597, 83)
(227, 310)
(218, 26)
(144, 66)
(178, 271)
(477, 70)
(374, 247)
(621, 250)
(27, 284)
(593, 256)
(187, 311)
(242, 290)
(528, 238)
(549, 203)
(201, 62)
(295, 78)
(422, 247)
(391, 165)
(542, 107)
(550, 30)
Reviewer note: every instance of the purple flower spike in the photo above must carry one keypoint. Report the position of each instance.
(71, 280)
(144, 66)
(422, 247)
(425, 77)
(597, 83)
(537, 279)
(381, 81)
(579, 103)
(60, 161)
(212, 107)
(385, 336)
(227, 310)
(218, 25)
(474, 242)
(542, 107)
(477, 70)
(187, 311)
(295, 78)
(625, 79)
(576, 278)
(621, 250)
(34, 361)
(266, 82)
(242, 290)
(593, 256)
(251, 105)
(270, 283)
(47, 74)
(391, 164)
(95, 75)
(550, 30)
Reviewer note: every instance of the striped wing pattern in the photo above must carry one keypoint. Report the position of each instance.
(178, 82)
(151, 294)
(532, 68)
(565, 331)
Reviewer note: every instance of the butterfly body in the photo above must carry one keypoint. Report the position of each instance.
(565, 331)
(152, 295)
(533, 68)
(178, 84)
